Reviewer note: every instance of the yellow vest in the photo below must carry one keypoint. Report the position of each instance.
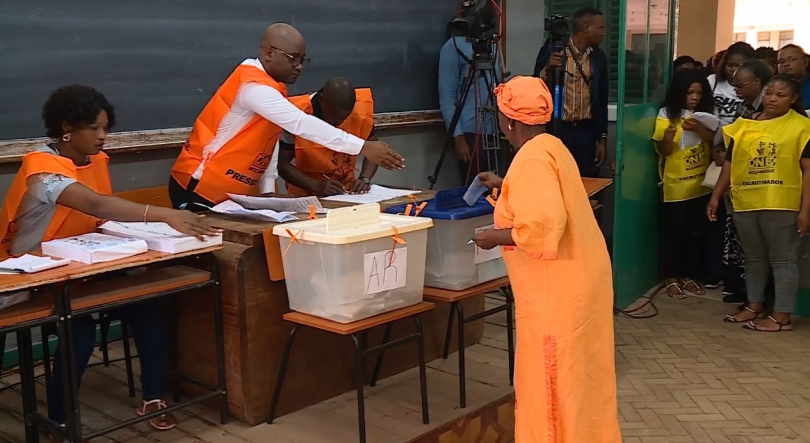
(766, 171)
(683, 171)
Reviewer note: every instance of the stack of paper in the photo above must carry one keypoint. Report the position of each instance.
(230, 207)
(375, 194)
(94, 248)
(300, 204)
(159, 236)
(29, 264)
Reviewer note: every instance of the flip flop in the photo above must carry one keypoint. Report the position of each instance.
(732, 318)
(678, 295)
(783, 327)
(161, 422)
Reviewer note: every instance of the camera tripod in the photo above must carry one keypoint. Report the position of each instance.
(480, 67)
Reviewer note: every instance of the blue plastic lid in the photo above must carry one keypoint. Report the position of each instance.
(449, 205)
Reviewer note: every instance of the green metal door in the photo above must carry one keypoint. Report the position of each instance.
(645, 48)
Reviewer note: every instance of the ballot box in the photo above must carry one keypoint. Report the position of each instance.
(452, 261)
(354, 263)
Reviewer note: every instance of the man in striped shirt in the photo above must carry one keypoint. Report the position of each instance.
(583, 126)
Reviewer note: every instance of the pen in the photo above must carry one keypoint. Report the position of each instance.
(330, 178)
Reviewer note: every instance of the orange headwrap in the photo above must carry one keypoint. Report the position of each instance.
(525, 99)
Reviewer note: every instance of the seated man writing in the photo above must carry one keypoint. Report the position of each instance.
(319, 170)
(62, 190)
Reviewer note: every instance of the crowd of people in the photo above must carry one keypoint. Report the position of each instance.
(733, 141)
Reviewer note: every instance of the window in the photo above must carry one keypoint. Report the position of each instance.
(764, 39)
(739, 37)
(785, 38)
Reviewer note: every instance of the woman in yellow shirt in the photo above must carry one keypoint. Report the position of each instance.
(682, 170)
(767, 168)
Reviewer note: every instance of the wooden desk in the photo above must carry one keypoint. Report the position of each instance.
(255, 333)
(595, 185)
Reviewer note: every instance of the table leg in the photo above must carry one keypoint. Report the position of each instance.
(220, 342)
(65, 330)
(29, 391)
(359, 383)
(420, 341)
(510, 333)
(285, 360)
(375, 375)
(462, 370)
(449, 334)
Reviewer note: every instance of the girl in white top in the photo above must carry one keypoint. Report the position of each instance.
(726, 101)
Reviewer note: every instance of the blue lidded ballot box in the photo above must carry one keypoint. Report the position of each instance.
(452, 263)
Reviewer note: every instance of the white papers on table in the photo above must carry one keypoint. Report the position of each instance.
(300, 204)
(230, 207)
(375, 194)
(30, 264)
(710, 121)
(159, 236)
(94, 248)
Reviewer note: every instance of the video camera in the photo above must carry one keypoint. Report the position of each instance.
(478, 22)
(557, 28)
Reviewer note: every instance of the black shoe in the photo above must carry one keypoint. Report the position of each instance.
(736, 297)
(713, 284)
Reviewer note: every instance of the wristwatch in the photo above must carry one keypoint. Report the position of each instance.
(366, 179)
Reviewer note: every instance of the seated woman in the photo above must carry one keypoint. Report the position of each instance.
(682, 170)
(63, 189)
(767, 168)
(565, 373)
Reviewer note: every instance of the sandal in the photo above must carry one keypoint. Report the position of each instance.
(163, 422)
(783, 327)
(698, 290)
(732, 318)
(679, 295)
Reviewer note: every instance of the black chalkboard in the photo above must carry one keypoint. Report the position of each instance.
(159, 61)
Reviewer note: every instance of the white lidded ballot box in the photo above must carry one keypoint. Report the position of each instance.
(354, 263)
(452, 263)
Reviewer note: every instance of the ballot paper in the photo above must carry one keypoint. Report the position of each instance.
(29, 264)
(94, 248)
(159, 236)
(375, 194)
(476, 190)
(300, 204)
(710, 121)
(230, 207)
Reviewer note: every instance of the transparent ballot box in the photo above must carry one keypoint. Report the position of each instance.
(354, 263)
(452, 263)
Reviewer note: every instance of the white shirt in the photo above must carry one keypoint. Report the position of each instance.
(726, 101)
(255, 98)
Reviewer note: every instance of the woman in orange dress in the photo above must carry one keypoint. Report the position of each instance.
(559, 268)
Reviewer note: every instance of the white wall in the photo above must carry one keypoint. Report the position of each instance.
(751, 18)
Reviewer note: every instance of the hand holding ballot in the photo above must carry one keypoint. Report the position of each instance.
(490, 180)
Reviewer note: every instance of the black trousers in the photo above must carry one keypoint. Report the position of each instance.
(683, 238)
(580, 138)
(187, 198)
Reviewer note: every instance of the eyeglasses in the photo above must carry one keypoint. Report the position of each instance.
(784, 61)
(294, 59)
(739, 85)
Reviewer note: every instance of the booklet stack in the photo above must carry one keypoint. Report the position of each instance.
(94, 248)
(159, 236)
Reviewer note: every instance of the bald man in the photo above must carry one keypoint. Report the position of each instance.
(318, 170)
(231, 148)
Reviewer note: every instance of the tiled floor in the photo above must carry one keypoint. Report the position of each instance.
(683, 376)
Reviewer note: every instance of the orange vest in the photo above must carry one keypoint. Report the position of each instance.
(316, 161)
(66, 222)
(238, 166)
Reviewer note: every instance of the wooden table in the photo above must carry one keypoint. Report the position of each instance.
(69, 290)
(255, 333)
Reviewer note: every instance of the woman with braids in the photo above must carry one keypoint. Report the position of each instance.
(725, 98)
(63, 189)
(792, 60)
(682, 170)
(767, 169)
